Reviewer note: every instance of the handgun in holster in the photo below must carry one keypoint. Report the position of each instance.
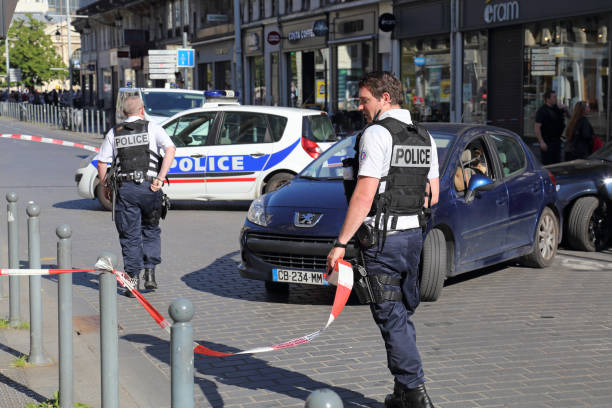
(371, 288)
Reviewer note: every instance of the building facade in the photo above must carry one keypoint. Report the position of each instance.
(485, 61)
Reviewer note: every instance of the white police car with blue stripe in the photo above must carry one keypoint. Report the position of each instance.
(227, 151)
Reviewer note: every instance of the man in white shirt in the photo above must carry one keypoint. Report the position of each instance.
(142, 153)
(393, 263)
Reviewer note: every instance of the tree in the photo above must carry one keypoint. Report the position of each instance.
(32, 52)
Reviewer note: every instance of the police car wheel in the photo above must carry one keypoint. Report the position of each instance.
(433, 266)
(277, 181)
(277, 287)
(106, 204)
(546, 241)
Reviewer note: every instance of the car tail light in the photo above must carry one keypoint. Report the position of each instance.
(310, 147)
(552, 178)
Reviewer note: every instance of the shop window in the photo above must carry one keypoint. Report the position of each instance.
(570, 57)
(425, 76)
(258, 80)
(354, 60)
(274, 83)
(475, 55)
(308, 79)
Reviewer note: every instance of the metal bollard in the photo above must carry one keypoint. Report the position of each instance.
(13, 254)
(64, 290)
(37, 356)
(323, 398)
(109, 342)
(181, 353)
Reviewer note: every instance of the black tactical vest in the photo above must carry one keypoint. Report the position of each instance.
(133, 153)
(407, 178)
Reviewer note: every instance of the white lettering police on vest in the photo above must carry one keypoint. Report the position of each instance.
(211, 163)
(132, 140)
(497, 13)
(411, 156)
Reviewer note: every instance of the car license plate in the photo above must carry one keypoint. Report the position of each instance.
(291, 276)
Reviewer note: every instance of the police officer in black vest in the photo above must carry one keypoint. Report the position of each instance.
(141, 153)
(394, 180)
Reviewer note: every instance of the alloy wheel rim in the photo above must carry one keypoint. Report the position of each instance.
(546, 237)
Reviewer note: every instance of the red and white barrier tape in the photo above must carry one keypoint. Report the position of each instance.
(49, 140)
(341, 276)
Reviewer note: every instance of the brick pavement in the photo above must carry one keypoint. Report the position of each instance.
(504, 337)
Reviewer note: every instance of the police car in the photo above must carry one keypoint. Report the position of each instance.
(227, 151)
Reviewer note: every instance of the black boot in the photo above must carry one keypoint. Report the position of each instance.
(149, 277)
(403, 397)
(136, 282)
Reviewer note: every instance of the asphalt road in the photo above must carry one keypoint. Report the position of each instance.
(507, 336)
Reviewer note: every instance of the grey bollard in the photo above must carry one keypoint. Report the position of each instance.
(36, 356)
(181, 353)
(64, 261)
(323, 398)
(109, 342)
(13, 261)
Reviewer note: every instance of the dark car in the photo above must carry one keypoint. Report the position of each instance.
(584, 189)
(496, 203)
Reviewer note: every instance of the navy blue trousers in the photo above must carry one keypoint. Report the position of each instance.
(400, 258)
(137, 212)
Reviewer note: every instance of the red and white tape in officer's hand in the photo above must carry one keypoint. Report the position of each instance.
(341, 277)
(49, 140)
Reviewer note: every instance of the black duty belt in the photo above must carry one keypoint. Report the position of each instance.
(137, 177)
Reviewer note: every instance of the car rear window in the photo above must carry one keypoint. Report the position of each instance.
(318, 128)
(277, 126)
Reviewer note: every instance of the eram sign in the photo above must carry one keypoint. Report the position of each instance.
(500, 12)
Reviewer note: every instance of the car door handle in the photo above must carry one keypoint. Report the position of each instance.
(535, 188)
(501, 201)
(257, 154)
(197, 156)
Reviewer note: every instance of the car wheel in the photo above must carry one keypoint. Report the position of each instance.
(587, 228)
(277, 287)
(433, 265)
(546, 241)
(277, 181)
(106, 204)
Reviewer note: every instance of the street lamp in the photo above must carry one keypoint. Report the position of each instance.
(8, 65)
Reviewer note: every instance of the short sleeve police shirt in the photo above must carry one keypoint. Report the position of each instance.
(375, 158)
(158, 143)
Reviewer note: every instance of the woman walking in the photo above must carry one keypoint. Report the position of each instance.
(579, 134)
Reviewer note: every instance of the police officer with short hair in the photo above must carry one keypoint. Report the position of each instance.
(395, 173)
(141, 153)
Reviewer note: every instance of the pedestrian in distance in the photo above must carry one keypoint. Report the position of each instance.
(391, 181)
(549, 125)
(141, 154)
(579, 135)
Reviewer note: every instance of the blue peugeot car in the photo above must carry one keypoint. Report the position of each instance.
(496, 203)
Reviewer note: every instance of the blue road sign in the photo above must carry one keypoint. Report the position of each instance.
(184, 58)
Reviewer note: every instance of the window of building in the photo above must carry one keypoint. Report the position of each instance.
(570, 57)
(354, 60)
(275, 78)
(308, 78)
(475, 55)
(425, 76)
(258, 80)
(170, 20)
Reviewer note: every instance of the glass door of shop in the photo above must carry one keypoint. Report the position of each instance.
(308, 79)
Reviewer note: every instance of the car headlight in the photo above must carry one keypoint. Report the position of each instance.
(257, 212)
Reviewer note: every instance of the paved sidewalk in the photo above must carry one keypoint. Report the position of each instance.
(10, 125)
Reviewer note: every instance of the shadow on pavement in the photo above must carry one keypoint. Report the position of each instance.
(247, 371)
(222, 278)
(478, 273)
(82, 204)
(21, 388)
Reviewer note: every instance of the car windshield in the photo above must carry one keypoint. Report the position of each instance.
(170, 103)
(329, 165)
(605, 153)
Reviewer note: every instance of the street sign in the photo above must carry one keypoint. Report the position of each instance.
(162, 76)
(162, 64)
(15, 74)
(185, 58)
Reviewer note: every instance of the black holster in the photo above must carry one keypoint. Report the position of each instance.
(371, 288)
(165, 206)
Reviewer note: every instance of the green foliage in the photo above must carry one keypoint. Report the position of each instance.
(20, 362)
(54, 403)
(32, 52)
(5, 324)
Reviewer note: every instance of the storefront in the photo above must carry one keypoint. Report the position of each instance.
(255, 91)
(353, 46)
(272, 64)
(307, 59)
(533, 47)
(214, 64)
(425, 59)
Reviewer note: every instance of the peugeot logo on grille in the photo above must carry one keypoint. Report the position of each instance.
(306, 219)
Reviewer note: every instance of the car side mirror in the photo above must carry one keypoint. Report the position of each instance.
(478, 182)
